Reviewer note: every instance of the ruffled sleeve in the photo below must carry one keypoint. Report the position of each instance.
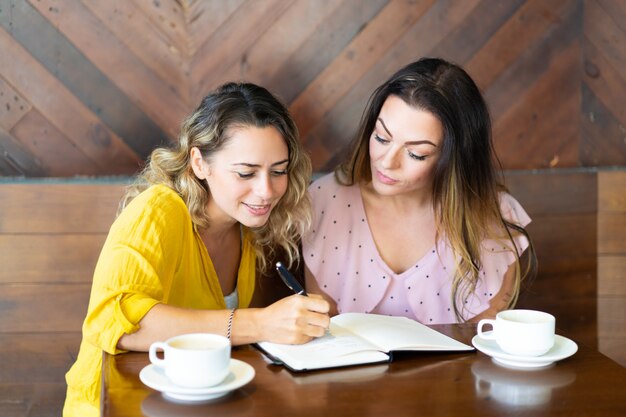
(497, 255)
(134, 265)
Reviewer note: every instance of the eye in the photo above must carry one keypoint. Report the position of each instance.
(380, 139)
(279, 173)
(416, 157)
(245, 175)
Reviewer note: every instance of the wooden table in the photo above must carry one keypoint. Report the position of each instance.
(414, 384)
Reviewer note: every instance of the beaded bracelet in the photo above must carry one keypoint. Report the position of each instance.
(230, 322)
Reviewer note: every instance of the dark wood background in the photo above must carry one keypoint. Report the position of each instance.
(90, 87)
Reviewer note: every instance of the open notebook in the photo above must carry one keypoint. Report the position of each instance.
(358, 338)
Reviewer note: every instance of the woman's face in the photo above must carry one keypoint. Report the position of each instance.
(248, 176)
(404, 148)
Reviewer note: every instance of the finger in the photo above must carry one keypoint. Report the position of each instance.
(317, 319)
(300, 339)
(317, 303)
(314, 331)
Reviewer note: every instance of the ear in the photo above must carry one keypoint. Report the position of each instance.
(199, 166)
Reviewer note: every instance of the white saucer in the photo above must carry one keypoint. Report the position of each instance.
(240, 374)
(563, 348)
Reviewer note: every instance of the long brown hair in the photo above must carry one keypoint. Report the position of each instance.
(466, 184)
(207, 128)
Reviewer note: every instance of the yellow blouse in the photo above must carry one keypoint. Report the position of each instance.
(153, 254)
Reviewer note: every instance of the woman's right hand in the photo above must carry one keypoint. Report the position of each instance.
(294, 320)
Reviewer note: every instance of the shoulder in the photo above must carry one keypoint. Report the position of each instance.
(159, 198)
(326, 188)
(324, 185)
(157, 205)
(512, 210)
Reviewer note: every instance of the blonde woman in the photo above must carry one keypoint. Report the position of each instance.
(416, 208)
(181, 256)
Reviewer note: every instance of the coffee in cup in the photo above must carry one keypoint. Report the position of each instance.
(521, 332)
(193, 360)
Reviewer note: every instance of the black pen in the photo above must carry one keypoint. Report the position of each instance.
(289, 279)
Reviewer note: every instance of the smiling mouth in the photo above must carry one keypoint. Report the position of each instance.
(258, 209)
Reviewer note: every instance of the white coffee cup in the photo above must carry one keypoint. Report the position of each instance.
(521, 332)
(193, 360)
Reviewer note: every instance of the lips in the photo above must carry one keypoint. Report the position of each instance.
(258, 209)
(385, 179)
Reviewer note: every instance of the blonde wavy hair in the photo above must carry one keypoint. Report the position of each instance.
(235, 105)
(465, 185)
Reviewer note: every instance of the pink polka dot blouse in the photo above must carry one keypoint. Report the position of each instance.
(341, 254)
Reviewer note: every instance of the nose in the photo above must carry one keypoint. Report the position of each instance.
(390, 158)
(263, 187)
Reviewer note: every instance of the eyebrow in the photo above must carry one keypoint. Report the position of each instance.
(412, 142)
(245, 164)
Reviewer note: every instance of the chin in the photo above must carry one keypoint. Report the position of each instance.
(384, 189)
(254, 223)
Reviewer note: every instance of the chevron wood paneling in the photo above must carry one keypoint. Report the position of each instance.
(604, 83)
(90, 87)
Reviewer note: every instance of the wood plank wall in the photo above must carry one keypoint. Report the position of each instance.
(51, 233)
(91, 87)
(563, 208)
(50, 237)
(603, 114)
(612, 264)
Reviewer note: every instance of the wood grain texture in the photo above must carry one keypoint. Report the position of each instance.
(329, 40)
(137, 32)
(49, 258)
(32, 400)
(613, 348)
(612, 264)
(452, 384)
(256, 17)
(518, 132)
(612, 275)
(359, 56)
(34, 383)
(328, 140)
(116, 78)
(613, 309)
(554, 191)
(597, 122)
(59, 62)
(156, 97)
(51, 235)
(611, 232)
(200, 19)
(66, 113)
(301, 21)
(524, 29)
(49, 145)
(603, 114)
(58, 208)
(16, 159)
(173, 20)
(612, 191)
(43, 308)
(563, 209)
(37, 358)
(13, 106)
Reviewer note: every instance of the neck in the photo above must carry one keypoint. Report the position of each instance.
(416, 201)
(217, 232)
